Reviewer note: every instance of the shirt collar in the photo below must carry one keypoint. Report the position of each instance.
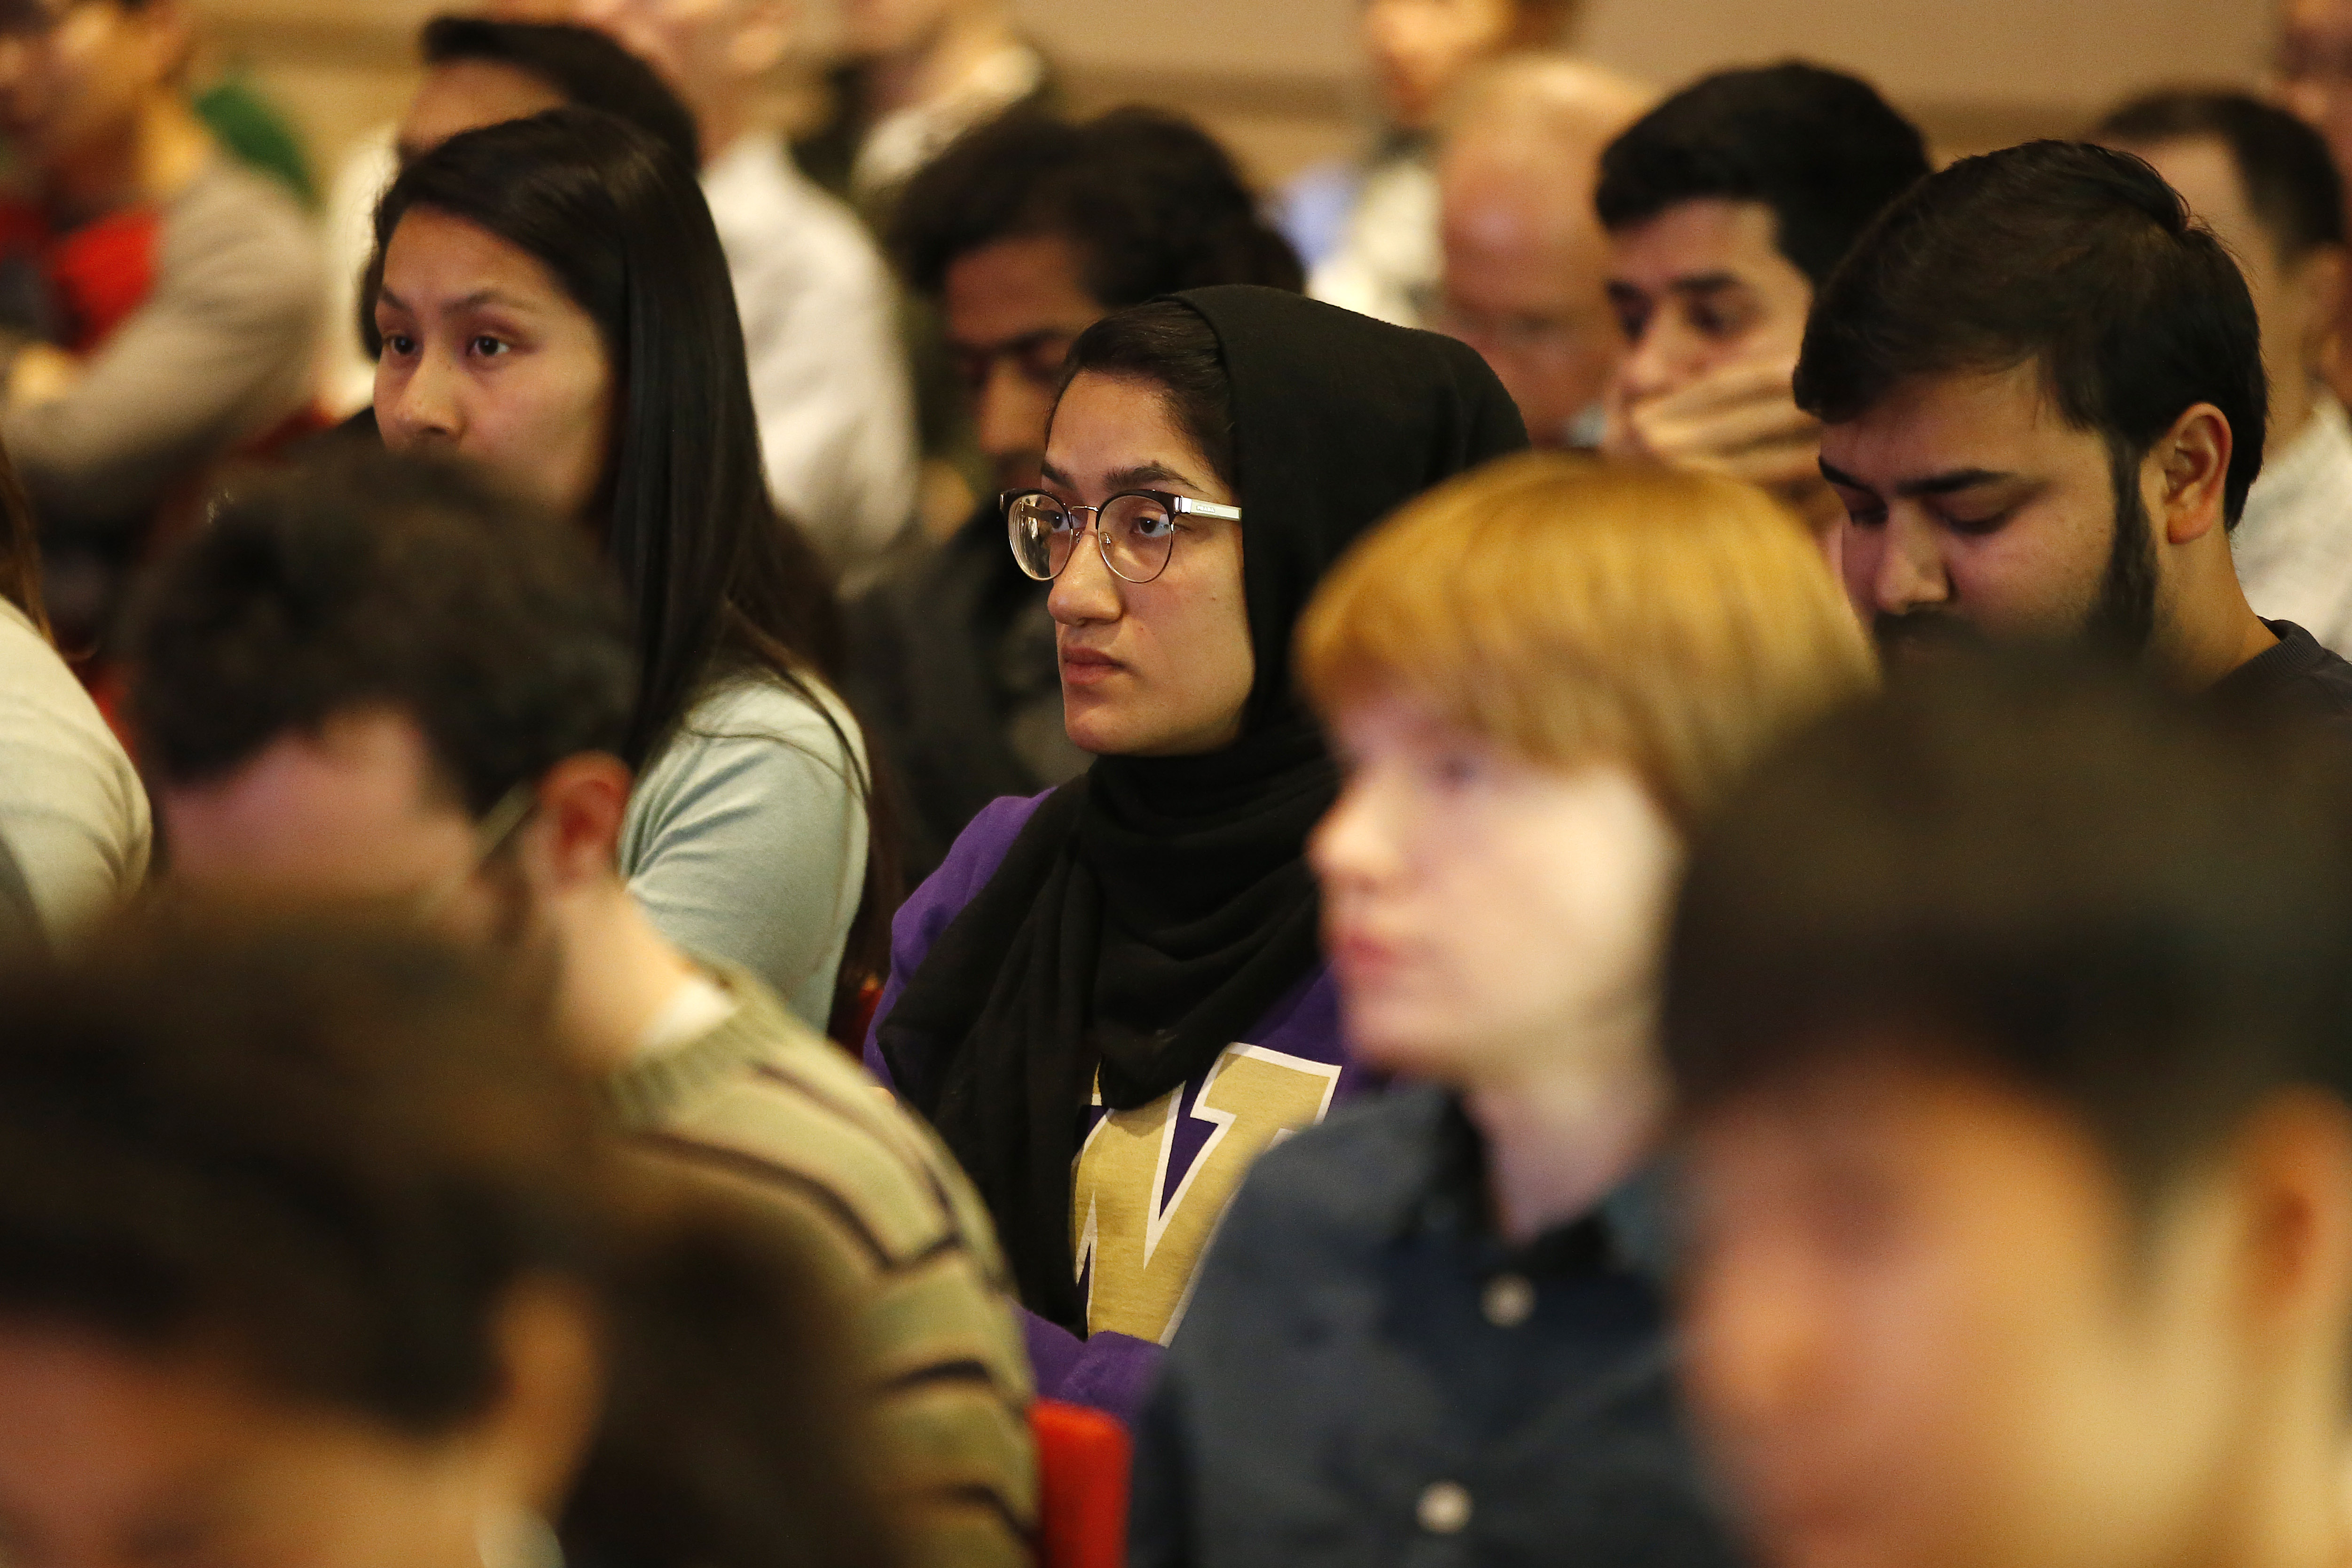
(1448, 1196)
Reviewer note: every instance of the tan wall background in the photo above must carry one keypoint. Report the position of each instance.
(1277, 77)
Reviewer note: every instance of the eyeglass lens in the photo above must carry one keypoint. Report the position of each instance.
(1138, 535)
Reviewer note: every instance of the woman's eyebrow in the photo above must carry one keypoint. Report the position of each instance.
(1148, 474)
(479, 299)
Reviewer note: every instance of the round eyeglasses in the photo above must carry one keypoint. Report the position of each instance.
(1135, 529)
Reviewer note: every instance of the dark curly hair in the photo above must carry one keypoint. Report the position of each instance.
(1149, 201)
(359, 578)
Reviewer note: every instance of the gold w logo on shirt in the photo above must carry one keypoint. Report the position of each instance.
(1144, 1252)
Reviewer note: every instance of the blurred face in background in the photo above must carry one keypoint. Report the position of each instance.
(881, 28)
(2295, 297)
(1481, 909)
(705, 49)
(76, 74)
(485, 357)
(1420, 49)
(1526, 264)
(1012, 308)
(1156, 669)
(1924, 1328)
(1700, 288)
(465, 95)
(2315, 68)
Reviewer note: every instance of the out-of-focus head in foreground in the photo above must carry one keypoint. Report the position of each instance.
(1537, 678)
(2012, 1027)
(297, 1238)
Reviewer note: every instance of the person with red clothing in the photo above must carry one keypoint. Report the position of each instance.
(159, 303)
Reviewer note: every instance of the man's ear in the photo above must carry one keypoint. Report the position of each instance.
(2317, 280)
(2293, 1159)
(2186, 474)
(582, 801)
(551, 1383)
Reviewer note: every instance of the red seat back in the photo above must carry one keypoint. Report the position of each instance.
(1083, 1458)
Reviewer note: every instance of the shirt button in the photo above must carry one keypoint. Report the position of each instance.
(1509, 1301)
(1444, 1507)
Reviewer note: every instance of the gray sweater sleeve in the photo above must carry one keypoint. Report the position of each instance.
(745, 839)
(220, 351)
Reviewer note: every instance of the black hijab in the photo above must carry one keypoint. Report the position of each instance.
(1152, 910)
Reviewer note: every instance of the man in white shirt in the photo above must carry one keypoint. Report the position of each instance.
(2264, 182)
(916, 74)
(820, 317)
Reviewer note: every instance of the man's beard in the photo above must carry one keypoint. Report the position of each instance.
(2122, 615)
(2123, 618)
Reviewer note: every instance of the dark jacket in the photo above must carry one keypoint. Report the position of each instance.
(1367, 1374)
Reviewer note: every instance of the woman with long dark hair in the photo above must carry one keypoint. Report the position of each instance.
(1110, 998)
(551, 301)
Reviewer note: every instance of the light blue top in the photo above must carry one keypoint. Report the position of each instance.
(745, 839)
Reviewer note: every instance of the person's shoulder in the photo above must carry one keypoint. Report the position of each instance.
(231, 198)
(2311, 676)
(37, 684)
(788, 1111)
(763, 720)
(978, 851)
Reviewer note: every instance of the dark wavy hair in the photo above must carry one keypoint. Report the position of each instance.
(720, 584)
(1149, 200)
(2076, 259)
(361, 577)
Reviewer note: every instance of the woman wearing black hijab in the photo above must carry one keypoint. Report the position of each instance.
(1110, 998)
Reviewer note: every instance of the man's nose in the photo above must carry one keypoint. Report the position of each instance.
(1909, 572)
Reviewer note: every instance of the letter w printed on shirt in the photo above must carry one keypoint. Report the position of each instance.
(1153, 1182)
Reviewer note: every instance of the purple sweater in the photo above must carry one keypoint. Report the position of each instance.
(1149, 1185)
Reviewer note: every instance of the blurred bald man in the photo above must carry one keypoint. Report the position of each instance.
(2315, 80)
(1524, 257)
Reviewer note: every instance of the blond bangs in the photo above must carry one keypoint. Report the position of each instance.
(1569, 609)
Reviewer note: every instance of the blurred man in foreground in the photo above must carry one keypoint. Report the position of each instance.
(1727, 207)
(2011, 1023)
(373, 680)
(1526, 259)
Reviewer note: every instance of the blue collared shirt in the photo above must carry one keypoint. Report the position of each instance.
(1368, 1373)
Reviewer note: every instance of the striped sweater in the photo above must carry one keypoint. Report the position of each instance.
(768, 1106)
